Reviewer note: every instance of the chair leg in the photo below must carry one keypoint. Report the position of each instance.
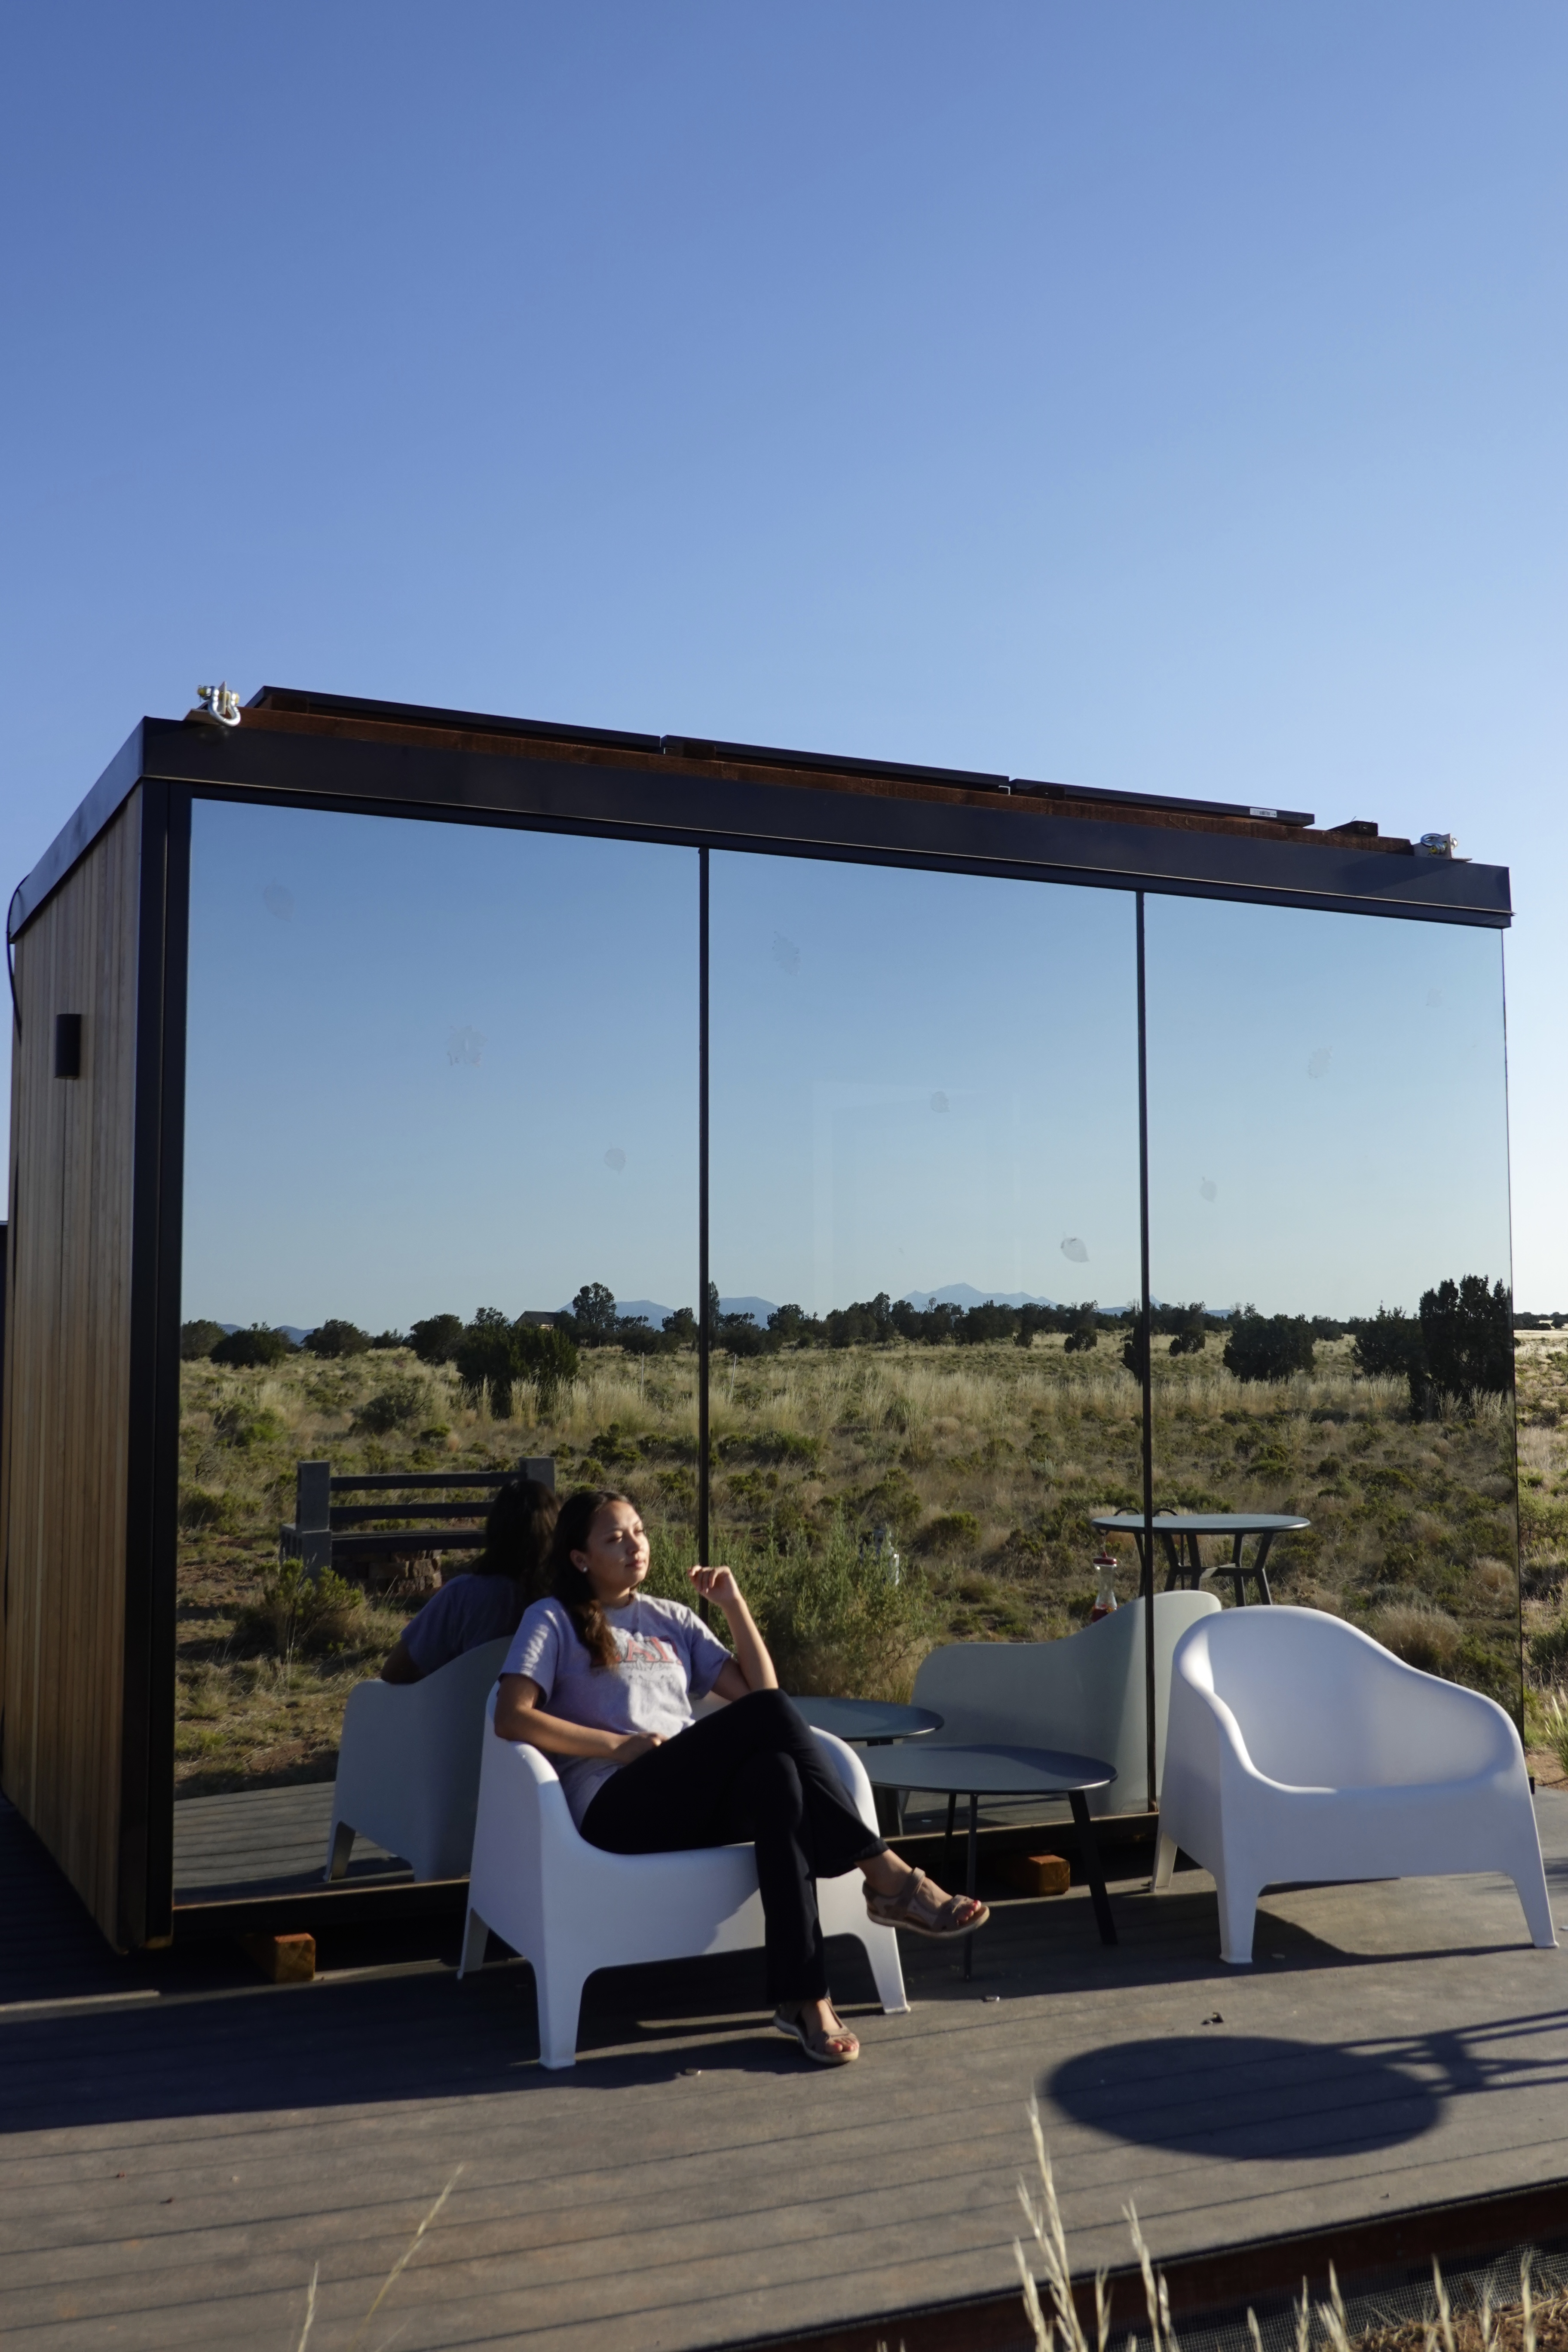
(339, 1845)
(559, 1995)
(1237, 1916)
(1164, 1863)
(1530, 1887)
(476, 1936)
(880, 1946)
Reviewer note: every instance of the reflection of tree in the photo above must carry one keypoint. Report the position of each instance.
(1468, 1334)
(1269, 1346)
(493, 1356)
(1459, 1347)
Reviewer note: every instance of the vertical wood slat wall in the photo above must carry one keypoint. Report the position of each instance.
(63, 1502)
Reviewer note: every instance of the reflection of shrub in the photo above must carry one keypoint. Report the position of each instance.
(336, 1337)
(493, 1356)
(401, 1402)
(255, 1345)
(296, 1611)
(1468, 1336)
(834, 1624)
(207, 1507)
(1424, 1637)
(198, 1340)
(1548, 1651)
(1269, 1346)
(437, 1338)
(953, 1531)
(246, 1425)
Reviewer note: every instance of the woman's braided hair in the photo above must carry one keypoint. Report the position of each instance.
(568, 1582)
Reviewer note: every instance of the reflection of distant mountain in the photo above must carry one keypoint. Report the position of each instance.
(761, 1307)
(963, 1294)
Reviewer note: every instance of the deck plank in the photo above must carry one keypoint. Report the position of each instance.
(1406, 2045)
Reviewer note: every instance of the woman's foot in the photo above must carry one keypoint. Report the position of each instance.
(815, 2025)
(898, 1895)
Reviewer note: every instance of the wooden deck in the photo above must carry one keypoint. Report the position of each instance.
(267, 1842)
(183, 2142)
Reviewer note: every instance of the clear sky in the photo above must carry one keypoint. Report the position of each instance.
(1161, 397)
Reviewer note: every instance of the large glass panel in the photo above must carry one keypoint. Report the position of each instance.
(1329, 1240)
(432, 1070)
(924, 1195)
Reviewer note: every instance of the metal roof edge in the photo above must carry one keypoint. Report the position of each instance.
(80, 831)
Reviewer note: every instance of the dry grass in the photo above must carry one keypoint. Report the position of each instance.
(1527, 2326)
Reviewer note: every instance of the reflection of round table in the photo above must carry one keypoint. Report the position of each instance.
(872, 1723)
(1175, 1528)
(974, 1772)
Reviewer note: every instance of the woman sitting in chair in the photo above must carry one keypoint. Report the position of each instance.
(486, 1601)
(602, 1677)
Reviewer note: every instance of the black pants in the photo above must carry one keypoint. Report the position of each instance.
(751, 1771)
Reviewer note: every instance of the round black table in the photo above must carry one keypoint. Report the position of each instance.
(868, 1722)
(1174, 1528)
(976, 1772)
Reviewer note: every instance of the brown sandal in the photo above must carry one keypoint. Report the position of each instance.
(820, 2051)
(939, 1919)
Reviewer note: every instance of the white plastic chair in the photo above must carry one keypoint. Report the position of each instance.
(409, 1765)
(567, 1909)
(1083, 1693)
(1300, 1749)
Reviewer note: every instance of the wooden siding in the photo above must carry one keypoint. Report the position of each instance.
(63, 1499)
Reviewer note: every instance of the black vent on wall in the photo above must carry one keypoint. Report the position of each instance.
(67, 1045)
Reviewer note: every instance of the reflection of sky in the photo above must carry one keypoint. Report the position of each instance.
(433, 1067)
(920, 1079)
(1326, 1106)
(439, 1067)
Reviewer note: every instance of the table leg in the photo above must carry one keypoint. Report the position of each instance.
(1091, 1864)
(1264, 1541)
(947, 1850)
(972, 1877)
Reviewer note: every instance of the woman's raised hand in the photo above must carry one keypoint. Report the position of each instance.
(718, 1585)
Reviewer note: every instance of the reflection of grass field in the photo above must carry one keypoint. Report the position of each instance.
(985, 1462)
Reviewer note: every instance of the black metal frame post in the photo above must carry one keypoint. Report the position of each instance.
(703, 1336)
(1146, 1367)
(146, 1861)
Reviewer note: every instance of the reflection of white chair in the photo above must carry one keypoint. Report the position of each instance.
(567, 1909)
(1300, 1749)
(409, 1765)
(1083, 1693)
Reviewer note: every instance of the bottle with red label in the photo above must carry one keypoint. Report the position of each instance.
(1105, 1599)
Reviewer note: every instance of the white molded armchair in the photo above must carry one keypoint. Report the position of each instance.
(1301, 1750)
(1084, 1693)
(568, 1908)
(409, 1765)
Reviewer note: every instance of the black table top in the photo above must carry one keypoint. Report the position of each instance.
(985, 1771)
(1200, 1523)
(869, 1718)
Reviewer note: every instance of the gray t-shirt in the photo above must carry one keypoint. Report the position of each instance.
(466, 1614)
(668, 1658)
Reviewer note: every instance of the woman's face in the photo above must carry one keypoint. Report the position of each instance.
(615, 1560)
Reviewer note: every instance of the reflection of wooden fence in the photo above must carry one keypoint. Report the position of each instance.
(327, 1534)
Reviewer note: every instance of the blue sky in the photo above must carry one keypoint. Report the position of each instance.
(1158, 397)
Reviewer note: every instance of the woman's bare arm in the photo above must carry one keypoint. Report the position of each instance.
(518, 1715)
(399, 1667)
(751, 1660)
